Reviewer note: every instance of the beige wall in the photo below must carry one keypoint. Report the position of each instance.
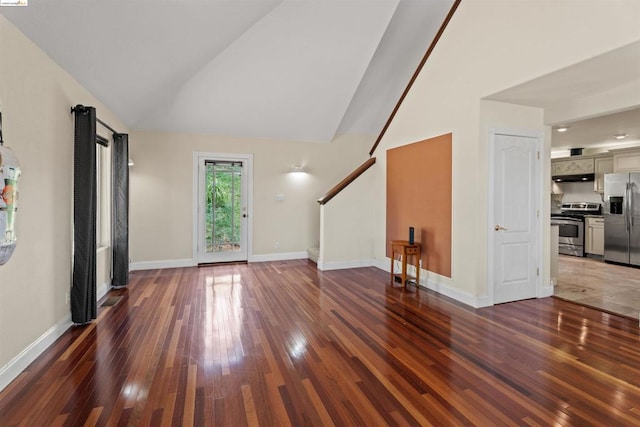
(346, 223)
(487, 47)
(36, 96)
(162, 193)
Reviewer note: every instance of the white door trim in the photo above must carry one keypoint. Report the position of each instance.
(247, 159)
(490, 201)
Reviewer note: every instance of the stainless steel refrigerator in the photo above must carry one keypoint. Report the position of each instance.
(622, 218)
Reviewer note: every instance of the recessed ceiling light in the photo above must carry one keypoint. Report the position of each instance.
(562, 128)
(621, 136)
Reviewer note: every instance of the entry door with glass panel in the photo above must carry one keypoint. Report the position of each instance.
(222, 228)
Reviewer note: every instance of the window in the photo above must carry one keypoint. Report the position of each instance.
(103, 197)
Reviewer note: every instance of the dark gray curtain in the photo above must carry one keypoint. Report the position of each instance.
(83, 290)
(120, 202)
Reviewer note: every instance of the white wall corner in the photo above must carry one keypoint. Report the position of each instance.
(322, 245)
(383, 264)
(11, 370)
(169, 263)
(546, 291)
(483, 301)
(313, 254)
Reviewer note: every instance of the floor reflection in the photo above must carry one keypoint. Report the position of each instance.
(223, 324)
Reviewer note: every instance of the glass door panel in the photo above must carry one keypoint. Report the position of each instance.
(223, 206)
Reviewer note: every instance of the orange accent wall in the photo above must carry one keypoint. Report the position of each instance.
(419, 196)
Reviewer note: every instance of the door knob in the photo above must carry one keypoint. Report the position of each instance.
(499, 228)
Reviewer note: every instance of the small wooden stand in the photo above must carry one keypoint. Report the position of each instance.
(404, 248)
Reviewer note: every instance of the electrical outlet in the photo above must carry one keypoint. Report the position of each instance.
(277, 245)
(66, 298)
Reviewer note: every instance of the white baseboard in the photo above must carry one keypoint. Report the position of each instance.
(284, 256)
(437, 283)
(340, 265)
(168, 263)
(434, 283)
(179, 263)
(11, 370)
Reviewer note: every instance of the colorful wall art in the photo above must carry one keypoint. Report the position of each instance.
(9, 175)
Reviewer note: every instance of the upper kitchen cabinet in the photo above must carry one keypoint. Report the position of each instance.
(572, 167)
(603, 165)
(626, 159)
(583, 168)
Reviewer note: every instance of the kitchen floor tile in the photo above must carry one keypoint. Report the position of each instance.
(592, 282)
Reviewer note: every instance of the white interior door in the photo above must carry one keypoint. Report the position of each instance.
(514, 225)
(222, 209)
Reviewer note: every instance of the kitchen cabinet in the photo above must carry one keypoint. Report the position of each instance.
(603, 165)
(572, 167)
(626, 160)
(594, 237)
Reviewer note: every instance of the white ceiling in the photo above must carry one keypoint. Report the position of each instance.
(600, 132)
(617, 70)
(290, 69)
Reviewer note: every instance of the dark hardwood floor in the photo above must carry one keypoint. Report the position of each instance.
(283, 344)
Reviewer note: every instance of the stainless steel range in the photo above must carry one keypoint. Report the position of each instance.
(571, 221)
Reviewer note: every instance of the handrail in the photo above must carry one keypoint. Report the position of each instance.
(415, 75)
(371, 161)
(348, 180)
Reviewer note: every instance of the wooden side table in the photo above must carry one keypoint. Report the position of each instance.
(406, 249)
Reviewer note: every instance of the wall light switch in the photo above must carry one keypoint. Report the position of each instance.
(279, 197)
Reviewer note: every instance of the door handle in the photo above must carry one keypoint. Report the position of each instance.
(244, 215)
(630, 205)
(499, 228)
(627, 225)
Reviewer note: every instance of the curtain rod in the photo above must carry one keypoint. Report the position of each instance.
(80, 108)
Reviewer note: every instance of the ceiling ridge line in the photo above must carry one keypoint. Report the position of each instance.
(373, 55)
(178, 86)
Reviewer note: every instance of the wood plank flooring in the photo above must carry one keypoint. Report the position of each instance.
(282, 344)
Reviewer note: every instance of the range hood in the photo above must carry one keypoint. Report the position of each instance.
(574, 178)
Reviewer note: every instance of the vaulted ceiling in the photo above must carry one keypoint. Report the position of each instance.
(306, 70)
